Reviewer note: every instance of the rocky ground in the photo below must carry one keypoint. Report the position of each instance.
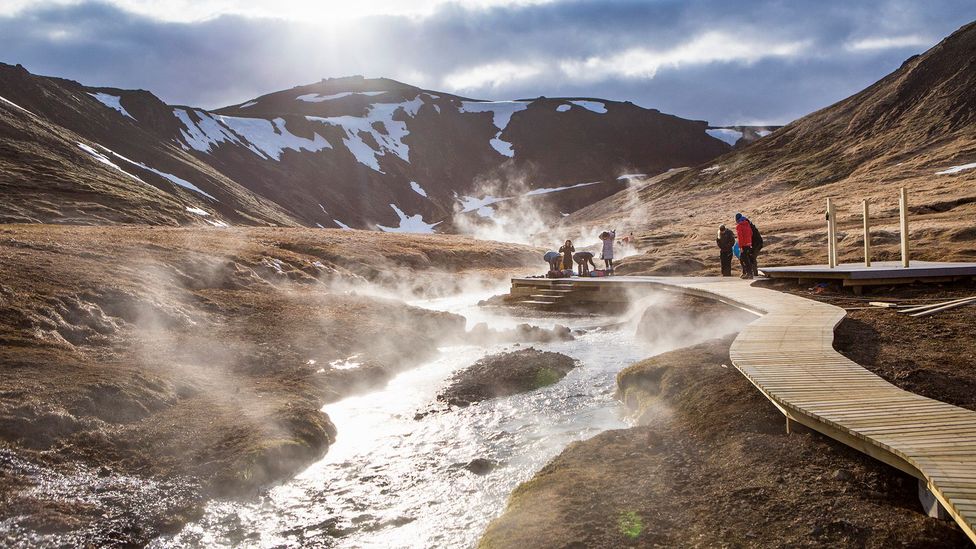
(148, 369)
(709, 465)
(505, 374)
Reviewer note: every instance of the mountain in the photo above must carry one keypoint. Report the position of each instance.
(344, 152)
(915, 128)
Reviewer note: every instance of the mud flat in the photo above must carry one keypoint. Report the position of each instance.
(709, 464)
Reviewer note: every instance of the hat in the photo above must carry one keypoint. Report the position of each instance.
(738, 217)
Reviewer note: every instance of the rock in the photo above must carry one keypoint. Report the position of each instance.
(506, 374)
(841, 475)
(481, 466)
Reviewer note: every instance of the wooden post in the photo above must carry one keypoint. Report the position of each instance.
(903, 205)
(831, 236)
(867, 234)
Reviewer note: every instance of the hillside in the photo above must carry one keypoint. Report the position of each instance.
(914, 128)
(345, 152)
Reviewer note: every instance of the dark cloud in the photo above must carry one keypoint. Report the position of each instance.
(231, 58)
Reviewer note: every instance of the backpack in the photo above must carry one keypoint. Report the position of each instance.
(757, 241)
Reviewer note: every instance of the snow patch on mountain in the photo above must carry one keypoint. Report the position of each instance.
(342, 225)
(197, 211)
(557, 189)
(318, 98)
(409, 223)
(248, 104)
(113, 102)
(563, 108)
(179, 181)
(472, 203)
(105, 160)
(502, 112)
(272, 137)
(763, 133)
(595, 106)
(956, 169)
(728, 135)
(11, 103)
(265, 138)
(418, 189)
(379, 123)
(207, 133)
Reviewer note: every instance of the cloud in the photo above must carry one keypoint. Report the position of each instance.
(710, 47)
(491, 76)
(704, 59)
(888, 42)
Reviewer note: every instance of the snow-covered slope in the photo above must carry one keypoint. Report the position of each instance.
(348, 152)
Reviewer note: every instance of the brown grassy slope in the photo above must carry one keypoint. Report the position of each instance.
(193, 356)
(899, 132)
(46, 177)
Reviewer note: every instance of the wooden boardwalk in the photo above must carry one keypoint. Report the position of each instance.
(788, 355)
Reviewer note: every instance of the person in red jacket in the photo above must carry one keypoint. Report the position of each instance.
(744, 233)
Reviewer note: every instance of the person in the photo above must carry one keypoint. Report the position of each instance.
(583, 262)
(757, 246)
(554, 260)
(567, 251)
(744, 232)
(607, 237)
(725, 241)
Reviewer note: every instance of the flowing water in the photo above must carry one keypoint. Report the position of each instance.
(394, 481)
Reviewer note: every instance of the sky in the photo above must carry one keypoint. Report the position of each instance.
(728, 62)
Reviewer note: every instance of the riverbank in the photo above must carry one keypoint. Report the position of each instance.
(147, 370)
(709, 465)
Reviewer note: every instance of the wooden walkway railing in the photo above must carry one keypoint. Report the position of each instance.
(788, 354)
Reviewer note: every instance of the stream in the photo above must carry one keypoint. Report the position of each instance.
(393, 481)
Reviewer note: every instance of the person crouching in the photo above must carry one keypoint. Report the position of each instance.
(554, 260)
(583, 262)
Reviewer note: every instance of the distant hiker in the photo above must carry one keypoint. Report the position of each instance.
(567, 250)
(725, 241)
(607, 237)
(743, 230)
(583, 261)
(757, 246)
(554, 260)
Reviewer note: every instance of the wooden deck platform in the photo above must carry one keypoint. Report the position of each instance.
(880, 272)
(788, 354)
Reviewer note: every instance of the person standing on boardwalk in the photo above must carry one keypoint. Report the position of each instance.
(743, 231)
(757, 246)
(725, 241)
(607, 237)
(567, 251)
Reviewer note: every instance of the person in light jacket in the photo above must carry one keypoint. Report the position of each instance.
(608, 237)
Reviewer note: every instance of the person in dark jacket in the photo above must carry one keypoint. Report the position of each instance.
(757, 246)
(743, 231)
(567, 250)
(725, 241)
(583, 261)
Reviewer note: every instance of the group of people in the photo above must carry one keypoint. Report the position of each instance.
(561, 262)
(746, 240)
